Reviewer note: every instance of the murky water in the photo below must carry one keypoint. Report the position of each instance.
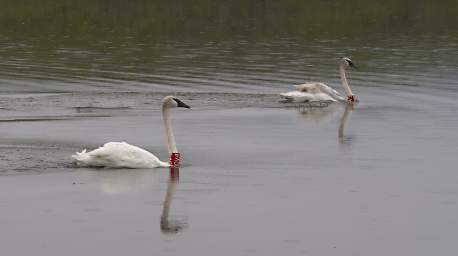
(258, 177)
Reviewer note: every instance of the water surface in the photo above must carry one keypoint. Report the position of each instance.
(258, 177)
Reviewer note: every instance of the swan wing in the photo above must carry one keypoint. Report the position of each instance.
(118, 155)
(296, 96)
(330, 91)
(302, 97)
(317, 87)
(323, 97)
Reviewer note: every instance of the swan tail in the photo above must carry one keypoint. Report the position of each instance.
(284, 98)
(81, 158)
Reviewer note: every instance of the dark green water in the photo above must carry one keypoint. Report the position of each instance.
(223, 20)
(222, 45)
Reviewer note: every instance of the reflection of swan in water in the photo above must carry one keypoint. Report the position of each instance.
(317, 113)
(171, 225)
(320, 92)
(343, 121)
(113, 182)
(121, 154)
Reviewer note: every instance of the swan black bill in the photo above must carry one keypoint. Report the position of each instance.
(181, 104)
(352, 65)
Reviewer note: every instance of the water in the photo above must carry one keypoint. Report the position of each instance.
(258, 177)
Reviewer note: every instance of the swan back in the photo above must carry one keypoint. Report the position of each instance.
(310, 87)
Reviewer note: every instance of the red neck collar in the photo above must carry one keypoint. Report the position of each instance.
(175, 159)
(351, 98)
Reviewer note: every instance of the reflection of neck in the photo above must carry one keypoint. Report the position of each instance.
(171, 144)
(343, 120)
(168, 200)
(343, 78)
(167, 226)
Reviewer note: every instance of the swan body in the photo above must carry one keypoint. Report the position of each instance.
(124, 155)
(118, 155)
(320, 92)
(312, 92)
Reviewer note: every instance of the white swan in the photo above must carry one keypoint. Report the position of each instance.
(123, 155)
(320, 92)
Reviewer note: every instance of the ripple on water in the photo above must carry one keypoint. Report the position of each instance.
(18, 158)
(267, 66)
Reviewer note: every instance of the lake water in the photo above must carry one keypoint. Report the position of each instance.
(258, 177)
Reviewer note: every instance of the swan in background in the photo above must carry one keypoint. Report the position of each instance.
(123, 155)
(320, 92)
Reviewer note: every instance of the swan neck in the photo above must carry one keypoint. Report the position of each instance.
(171, 144)
(343, 78)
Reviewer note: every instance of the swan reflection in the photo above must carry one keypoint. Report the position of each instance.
(171, 224)
(345, 139)
(118, 181)
(317, 112)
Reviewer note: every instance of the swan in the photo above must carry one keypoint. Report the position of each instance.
(320, 92)
(124, 155)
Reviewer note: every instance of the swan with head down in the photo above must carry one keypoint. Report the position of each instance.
(124, 155)
(320, 92)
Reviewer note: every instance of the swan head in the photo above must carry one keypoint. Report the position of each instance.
(347, 62)
(172, 102)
